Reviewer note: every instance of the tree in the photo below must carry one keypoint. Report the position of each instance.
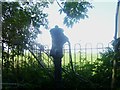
(74, 10)
(21, 21)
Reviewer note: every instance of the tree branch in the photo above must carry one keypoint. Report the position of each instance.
(59, 4)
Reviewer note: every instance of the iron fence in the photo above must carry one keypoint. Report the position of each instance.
(80, 55)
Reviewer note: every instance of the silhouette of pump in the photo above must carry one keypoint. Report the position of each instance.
(58, 40)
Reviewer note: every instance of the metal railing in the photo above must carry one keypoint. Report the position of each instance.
(80, 55)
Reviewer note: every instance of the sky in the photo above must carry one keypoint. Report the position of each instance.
(98, 28)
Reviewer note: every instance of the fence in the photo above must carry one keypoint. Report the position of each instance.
(86, 54)
(80, 55)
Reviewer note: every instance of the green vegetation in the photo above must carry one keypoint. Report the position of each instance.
(30, 75)
(80, 58)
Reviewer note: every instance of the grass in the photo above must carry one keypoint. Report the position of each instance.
(79, 58)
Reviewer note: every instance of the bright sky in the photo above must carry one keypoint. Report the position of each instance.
(98, 28)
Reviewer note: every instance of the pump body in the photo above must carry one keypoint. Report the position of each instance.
(58, 40)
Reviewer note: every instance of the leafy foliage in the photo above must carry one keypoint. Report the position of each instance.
(75, 11)
(89, 76)
(103, 69)
(21, 22)
(25, 71)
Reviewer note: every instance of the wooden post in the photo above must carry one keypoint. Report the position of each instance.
(116, 58)
(116, 45)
